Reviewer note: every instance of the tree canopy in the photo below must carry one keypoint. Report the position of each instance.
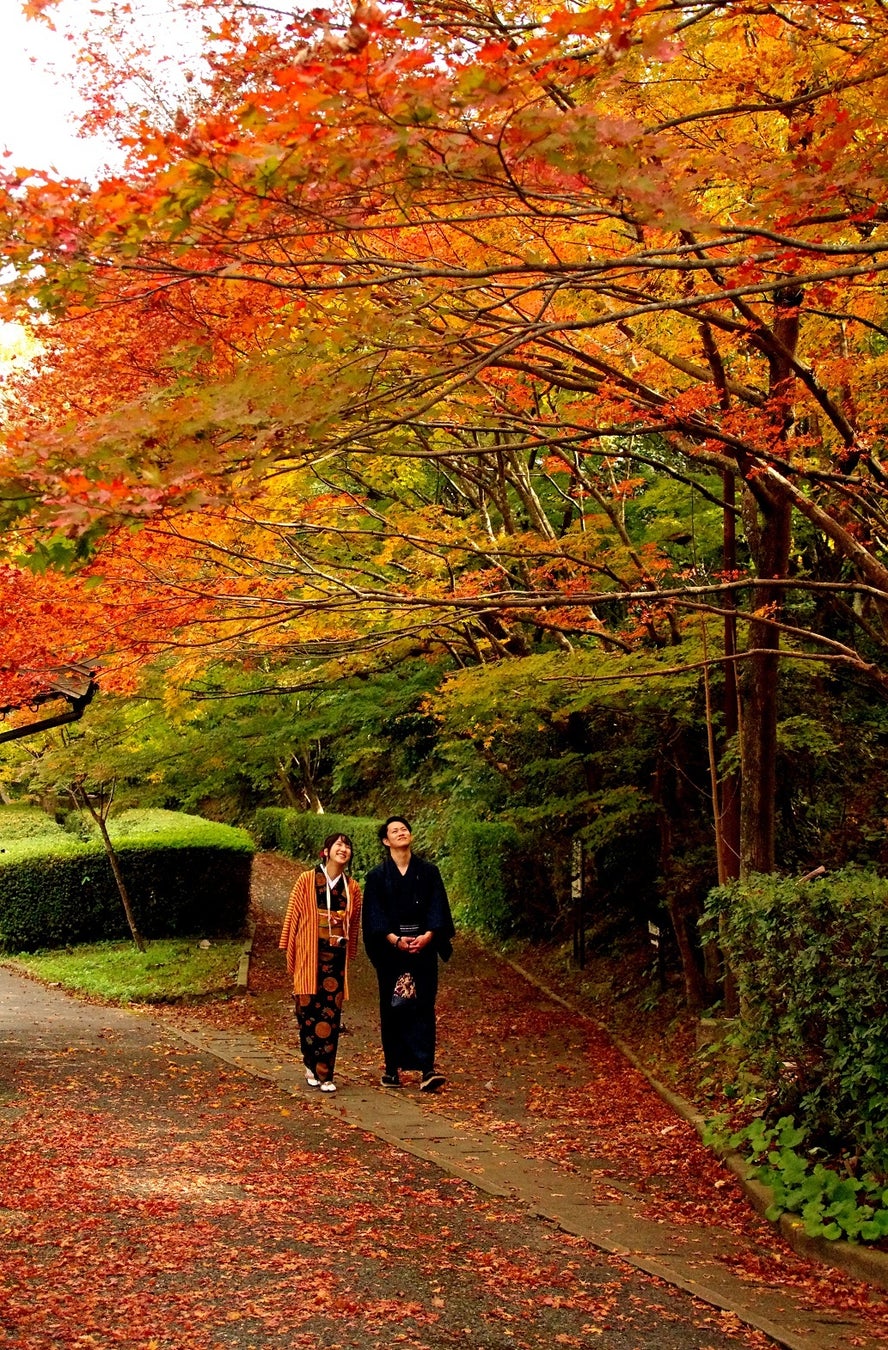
(475, 332)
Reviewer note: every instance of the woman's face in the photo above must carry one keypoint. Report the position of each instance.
(339, 852)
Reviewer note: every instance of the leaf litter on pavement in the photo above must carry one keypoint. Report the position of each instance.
(556, 1087)
(221, 1215)
(160, 1207)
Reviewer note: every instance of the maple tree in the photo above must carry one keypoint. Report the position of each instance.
(410, 315)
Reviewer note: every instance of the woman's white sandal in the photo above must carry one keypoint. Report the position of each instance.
(328, 1087)
(311, 1080)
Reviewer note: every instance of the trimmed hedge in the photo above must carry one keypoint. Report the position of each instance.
(184, 875)
(497, 878)
(811, 963)
(26, 822)
(301, 834)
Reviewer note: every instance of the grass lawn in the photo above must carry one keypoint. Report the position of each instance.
(171, 968)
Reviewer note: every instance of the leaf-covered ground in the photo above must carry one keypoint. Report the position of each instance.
(553, 1086)
(152, 1200)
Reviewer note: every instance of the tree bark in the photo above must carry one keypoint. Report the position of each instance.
(770, 542)
(81, 797)
(286, 782)
(683, 919)
(309, 789)
(729, 815)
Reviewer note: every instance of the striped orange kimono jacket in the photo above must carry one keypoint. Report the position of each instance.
(299, 935)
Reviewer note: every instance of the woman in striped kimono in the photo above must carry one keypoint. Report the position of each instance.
(320, 937)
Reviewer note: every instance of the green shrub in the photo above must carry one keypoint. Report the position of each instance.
(300, 834)
(176, 829)
(81, 826)
(184, 875)
(26, 822)
(493, 874)
(499, 878)
(267, 826)
(811, 963)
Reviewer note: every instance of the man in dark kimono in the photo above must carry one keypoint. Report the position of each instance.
(407, 926)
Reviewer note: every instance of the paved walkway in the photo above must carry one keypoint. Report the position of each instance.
(153, 1197)
(212, 1200)
(541, 1108)
(689, 1258)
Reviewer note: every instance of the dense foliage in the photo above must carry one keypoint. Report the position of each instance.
(470, 335)
(498, 883)
(302, 833)
(811, 962)
(26, 822)
(550, 749)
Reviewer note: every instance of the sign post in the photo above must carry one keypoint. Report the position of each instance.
(655, 935)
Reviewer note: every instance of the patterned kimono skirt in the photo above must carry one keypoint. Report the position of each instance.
(320, 1014)
(408, 1031)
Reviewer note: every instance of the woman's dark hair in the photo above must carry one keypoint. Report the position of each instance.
(331, 840)
(383, 829)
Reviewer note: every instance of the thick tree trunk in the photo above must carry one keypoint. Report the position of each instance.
(759, 746)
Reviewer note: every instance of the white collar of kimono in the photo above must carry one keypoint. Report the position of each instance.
(330, 883)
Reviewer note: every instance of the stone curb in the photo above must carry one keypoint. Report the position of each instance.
(243, 969)
(862, 1263)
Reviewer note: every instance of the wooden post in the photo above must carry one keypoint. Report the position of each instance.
(577, 900)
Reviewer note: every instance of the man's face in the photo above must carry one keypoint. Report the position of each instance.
(397, 835)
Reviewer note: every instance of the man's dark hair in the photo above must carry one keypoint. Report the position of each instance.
(384, 829)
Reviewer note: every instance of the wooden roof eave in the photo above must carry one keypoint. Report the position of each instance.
(78, 695)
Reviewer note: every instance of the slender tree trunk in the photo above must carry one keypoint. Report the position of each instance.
(121, 886)
(302, 757)
(286, 782)
(730, 783)
(694, 985)
(727, 789)
(81, 797)
(771, 548)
